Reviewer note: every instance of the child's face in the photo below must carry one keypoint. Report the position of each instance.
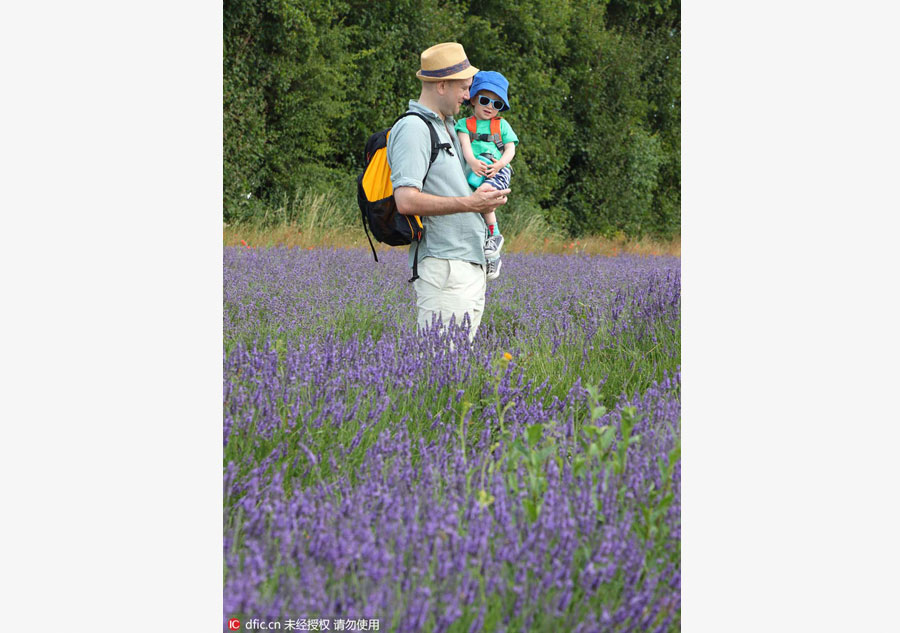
(484, 112)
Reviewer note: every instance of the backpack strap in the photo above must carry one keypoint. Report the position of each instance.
(494, 137)
(495, 126)
(366, 229)
(495, 133)
(436, 147)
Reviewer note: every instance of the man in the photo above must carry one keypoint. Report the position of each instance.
(451, 263)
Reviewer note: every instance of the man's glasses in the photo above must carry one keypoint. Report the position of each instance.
(487, 100)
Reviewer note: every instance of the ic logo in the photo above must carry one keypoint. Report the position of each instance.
(234, 624)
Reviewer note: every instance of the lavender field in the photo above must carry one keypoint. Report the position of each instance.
(528, 481)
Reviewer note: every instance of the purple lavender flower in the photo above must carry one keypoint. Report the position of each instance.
(370, 472)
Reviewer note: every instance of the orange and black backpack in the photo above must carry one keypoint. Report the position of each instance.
(493, 137)
(375, 195)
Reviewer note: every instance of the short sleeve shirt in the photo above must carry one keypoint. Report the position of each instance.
(487, 147)
(454, 236)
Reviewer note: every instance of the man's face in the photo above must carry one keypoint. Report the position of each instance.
(455, 94)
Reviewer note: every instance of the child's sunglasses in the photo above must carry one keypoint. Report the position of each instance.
(486, 100)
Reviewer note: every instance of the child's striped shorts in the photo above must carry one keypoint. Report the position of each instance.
(500, 179)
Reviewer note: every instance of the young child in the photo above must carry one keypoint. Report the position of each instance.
(488, 144)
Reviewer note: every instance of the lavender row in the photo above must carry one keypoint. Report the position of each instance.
(282, 292)
(346, 434)
(437, 528)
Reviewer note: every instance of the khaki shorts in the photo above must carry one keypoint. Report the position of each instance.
(449, 287)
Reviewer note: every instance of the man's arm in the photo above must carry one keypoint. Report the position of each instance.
(408, 153)
(411, 201)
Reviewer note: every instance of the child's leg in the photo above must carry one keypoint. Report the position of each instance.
(490, 218)
(499, 181)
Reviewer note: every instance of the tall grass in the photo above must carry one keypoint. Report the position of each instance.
(329, 217)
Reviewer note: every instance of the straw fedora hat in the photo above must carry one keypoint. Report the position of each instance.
(443, 62)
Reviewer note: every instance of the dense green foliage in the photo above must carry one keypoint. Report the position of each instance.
(594, 90)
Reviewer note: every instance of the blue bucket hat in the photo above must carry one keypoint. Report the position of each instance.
(493, 81)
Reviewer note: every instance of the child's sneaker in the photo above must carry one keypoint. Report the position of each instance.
(493, 268)
(492, 246)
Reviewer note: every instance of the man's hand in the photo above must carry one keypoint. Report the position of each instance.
(486, 198)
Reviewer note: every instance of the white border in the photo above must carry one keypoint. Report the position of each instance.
(790, 208)
(112, 180)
